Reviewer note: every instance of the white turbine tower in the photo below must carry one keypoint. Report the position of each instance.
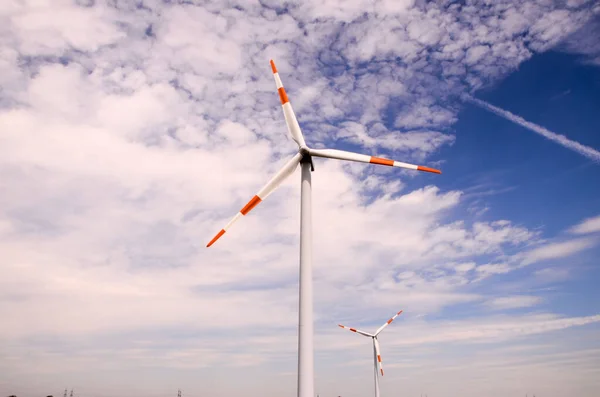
(376, 349)
(304, 157)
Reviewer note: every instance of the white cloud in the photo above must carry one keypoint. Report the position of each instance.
(582, 41)
(465, 267)
(474, 54)
(491, 329)
(424, 114)
(83, 29)
(554, 26)
(589, 225)
(493, 268)
(550, 274)
(557, 250)
(513, 302)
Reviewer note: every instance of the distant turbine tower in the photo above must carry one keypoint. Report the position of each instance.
(376, 351)
(304, 157)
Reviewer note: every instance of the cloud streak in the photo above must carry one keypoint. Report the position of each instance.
(588, 226)
(562, 140)
(514, 302)
(558, 250)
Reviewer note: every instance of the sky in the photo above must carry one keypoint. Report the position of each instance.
(131, 132)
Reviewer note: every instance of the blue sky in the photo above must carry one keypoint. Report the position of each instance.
(539, 182)
(553, 90)
(122, 153)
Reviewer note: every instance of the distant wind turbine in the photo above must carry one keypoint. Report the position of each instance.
(304, 157)
(376, 350)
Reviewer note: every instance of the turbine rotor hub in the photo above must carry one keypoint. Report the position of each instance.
(304, 151)
(306, 157)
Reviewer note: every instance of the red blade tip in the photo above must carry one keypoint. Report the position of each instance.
(222, 232)
(427, 169)
(273, 67)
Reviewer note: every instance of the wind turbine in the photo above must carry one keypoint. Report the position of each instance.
(376, 350)
(304, 157)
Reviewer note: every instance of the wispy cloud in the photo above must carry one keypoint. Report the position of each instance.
(513, 302)
(562, 140)
(558, 250)
(590, 225)
(550, 274)
(583, 42)
(495, 328)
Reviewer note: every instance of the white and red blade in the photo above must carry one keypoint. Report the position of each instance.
(262, 194)
(388, 322)
(288, 112)
(364, 158)
(378, 353)
(358, 331)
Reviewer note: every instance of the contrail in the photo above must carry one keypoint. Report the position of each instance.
(560, 139)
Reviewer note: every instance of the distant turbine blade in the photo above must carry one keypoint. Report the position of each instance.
(387, 323)
(288, 112)
(378, 352)
(363, 158)
(262, 194)
(358, 331)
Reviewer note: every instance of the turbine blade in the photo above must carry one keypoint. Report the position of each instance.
(262, 194)
(387, 323)
(363, 158)
(358, 331)
(378, 352)
(288, 112)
